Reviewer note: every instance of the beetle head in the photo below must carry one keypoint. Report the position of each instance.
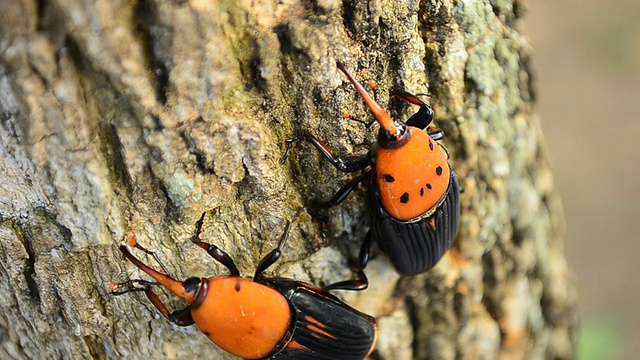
(392, 133)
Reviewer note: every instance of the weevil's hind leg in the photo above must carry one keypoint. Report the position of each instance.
(360, 281)
(343, 163)
(423, 117)
(180, 317)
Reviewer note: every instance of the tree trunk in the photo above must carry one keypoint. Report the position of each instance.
(140, 116)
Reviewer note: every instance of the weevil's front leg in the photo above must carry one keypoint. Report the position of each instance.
(343, 163)
(423, 117)
(180, 317)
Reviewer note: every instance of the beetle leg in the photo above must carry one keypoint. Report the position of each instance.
(180, 317)
(288, 143)
(358, 284)
(445, 150)
(220, 256)
(342, 163)
(214, 251)
(435, 133)
(336, 200)
(423, 117)
(274, 255)
(361, 282)
(345, 190)
(365, 250)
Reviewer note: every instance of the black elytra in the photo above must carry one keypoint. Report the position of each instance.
(415, 245)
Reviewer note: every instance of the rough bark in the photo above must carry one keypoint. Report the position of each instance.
(142, 115)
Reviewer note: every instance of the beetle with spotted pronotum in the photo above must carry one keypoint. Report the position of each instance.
(413, 194)
(288, 319)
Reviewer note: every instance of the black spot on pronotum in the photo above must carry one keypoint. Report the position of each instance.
(421, 191)
(429, 186)
(389, 178)
(439, 170)
(431, 145)
(237, 287)
(404, 198)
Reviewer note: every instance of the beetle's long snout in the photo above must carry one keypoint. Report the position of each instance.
(173, 285)
(381, 115)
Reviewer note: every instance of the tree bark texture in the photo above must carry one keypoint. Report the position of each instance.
(140, 116)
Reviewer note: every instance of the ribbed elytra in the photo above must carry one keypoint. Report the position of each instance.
(414, 201)
(266, 318)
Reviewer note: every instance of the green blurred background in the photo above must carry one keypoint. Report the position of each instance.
(587, 72)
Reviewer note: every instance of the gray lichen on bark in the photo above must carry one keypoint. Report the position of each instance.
(124, 115)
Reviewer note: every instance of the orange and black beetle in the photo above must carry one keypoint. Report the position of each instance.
(414, 195)
(267, 318)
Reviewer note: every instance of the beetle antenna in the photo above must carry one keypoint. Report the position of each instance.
(374, 87)
(133, 242)
(347, 115)
(119, 288)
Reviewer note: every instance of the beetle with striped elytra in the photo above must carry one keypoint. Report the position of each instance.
(267, 318)
(413, 194)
